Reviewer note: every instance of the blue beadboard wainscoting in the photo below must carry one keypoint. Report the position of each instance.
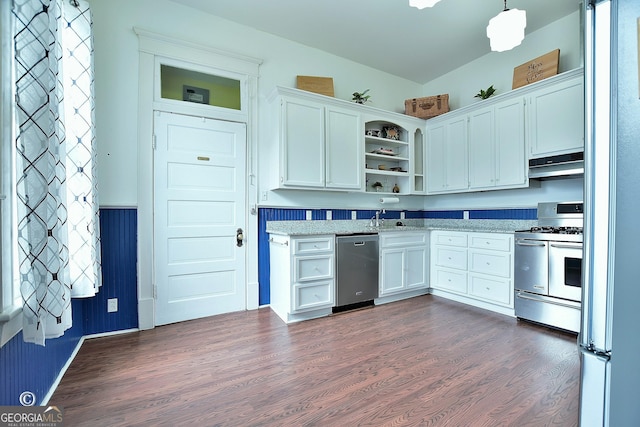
(281, 214)
(31, 368)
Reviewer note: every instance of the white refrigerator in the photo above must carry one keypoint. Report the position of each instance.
(609, 339)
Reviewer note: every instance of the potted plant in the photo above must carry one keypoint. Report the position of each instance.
(361, 97)
(484, 94)
(377, 185)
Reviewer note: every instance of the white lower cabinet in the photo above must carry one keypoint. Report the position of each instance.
(475, 268)
(403, 268)
(302, 276)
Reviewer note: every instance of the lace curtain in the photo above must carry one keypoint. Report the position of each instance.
(57, 207)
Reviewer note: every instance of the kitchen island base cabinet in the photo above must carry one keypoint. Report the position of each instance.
(302, 276)
(473, 268)
(403, 265)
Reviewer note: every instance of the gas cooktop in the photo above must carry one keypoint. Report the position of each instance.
(560, 222)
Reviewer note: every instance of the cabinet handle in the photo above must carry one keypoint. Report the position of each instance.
(285, 243)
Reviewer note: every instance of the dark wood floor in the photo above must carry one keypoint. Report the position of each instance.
(424, 361)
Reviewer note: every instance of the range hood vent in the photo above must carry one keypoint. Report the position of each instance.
(564, 165)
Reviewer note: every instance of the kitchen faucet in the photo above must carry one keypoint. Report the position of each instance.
(378, 221)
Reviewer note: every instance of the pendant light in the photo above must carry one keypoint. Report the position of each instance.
(421, 4)
(506, 30)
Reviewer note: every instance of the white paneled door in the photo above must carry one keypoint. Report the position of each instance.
(199, 206)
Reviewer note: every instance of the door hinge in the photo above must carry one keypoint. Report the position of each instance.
(155, 291)
(153, 142)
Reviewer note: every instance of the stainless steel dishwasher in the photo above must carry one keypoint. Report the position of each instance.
(356, 271)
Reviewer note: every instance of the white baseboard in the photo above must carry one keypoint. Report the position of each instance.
(253, 295)
(146, 313)
(54, 386)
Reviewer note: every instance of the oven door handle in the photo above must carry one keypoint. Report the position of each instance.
(546, 300)
(526, 243)
(566, 245)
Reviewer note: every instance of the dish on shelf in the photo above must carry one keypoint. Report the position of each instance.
(396, 169)
(385, 151)
(391, 132)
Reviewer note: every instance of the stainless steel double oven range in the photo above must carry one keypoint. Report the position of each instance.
(548, 267)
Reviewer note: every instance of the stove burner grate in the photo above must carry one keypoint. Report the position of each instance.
(556, 230)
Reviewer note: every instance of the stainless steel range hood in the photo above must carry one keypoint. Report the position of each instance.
(564, 165)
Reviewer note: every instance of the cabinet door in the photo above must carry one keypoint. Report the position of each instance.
(391, 271)
(302, 154)
(482, 151)
(456, 165)
(344, 140)
(416, 268)
(556, 119)
(435, 158)
(510, 153)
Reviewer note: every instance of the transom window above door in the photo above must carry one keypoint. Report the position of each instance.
(180, 84)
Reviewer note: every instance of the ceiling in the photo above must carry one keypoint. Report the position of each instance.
(387, 35)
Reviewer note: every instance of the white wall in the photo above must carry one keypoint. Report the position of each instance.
(496, 68)
(116, 62)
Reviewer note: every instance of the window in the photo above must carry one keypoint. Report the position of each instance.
(192, 86)
(10, 300)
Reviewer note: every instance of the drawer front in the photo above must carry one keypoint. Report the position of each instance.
(450, 280)
(313, 295)
(313, 268)
(451, 239)
(497, 242)
(491, 289)
(309, 245)
(404, 238)
(450, 257)
(495, 264)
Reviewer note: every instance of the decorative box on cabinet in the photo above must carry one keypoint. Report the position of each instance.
(302, 276)
(474, 268)
(403, 265)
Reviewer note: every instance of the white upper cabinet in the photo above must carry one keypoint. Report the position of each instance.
(342, 157)
(319, 145)
(302, 144)
(497, 157)
(556, 119)
(484, 146)
(447, 167)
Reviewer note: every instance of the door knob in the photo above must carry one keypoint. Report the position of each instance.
(239, 237)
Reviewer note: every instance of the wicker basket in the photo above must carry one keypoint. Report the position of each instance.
(427, 107)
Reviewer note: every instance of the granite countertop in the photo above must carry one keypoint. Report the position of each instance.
(298, 228)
